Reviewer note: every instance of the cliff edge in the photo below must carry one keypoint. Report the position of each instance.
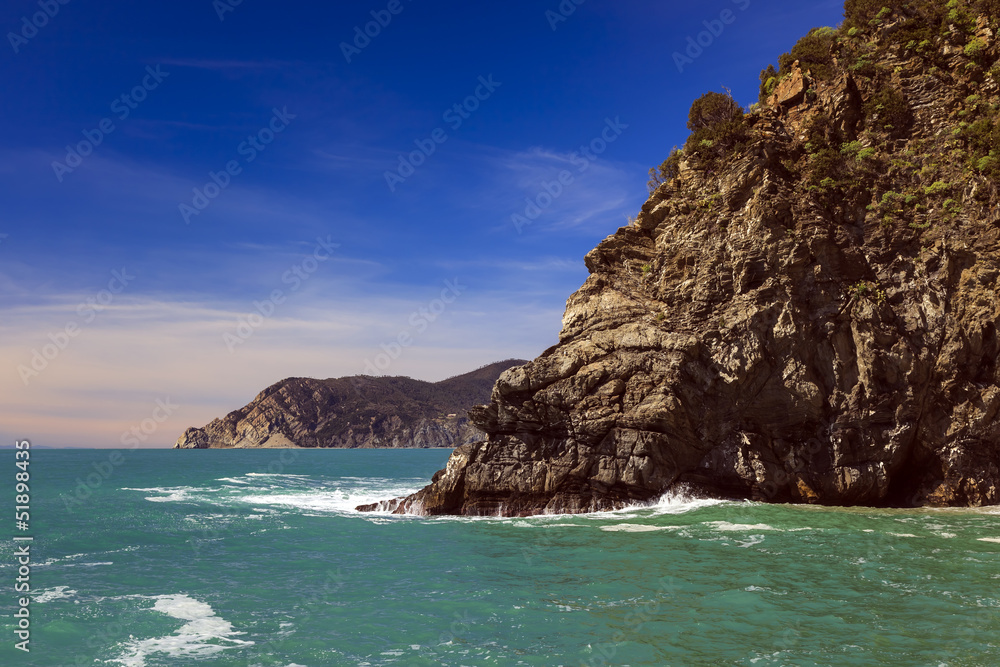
(805, 310)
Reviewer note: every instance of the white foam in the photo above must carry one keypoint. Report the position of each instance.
(632, 528)
(680, 501)
(299, 492)
(202, 636)
(754, 540)
(53, 561)
(990, 539)
(336, 500)
(57, 593)
(737, 527)
(174, 494)
(275, 474)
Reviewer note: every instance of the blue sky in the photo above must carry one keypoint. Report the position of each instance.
(112, 298)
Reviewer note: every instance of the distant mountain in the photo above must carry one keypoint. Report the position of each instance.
(354, 412)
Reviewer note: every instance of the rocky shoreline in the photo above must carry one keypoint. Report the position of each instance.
(805, 310)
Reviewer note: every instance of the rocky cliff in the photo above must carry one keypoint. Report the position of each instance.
(353, 412)
(805, 310)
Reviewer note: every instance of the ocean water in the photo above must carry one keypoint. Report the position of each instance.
(257, 558)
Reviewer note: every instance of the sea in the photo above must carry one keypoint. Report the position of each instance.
(257, 558)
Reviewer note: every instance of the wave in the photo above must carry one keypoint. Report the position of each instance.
(265, 491)
(682, 500)
(276, 474)
(174, 494)
(204, 634)
(336, 500)
(50, 594)
(344, 495)
(725, 526)
(635, 528)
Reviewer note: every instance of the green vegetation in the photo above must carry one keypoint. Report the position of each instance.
(975, 49)
(889, 110)
(936, 188)
(709, 203)
(864, 66)
(711, 110)
(863, 290)
(844, 160)
(851, 149)
(814, 53)
(668, 171)
(718, 127)
(866, 154)
(768, 82)
(918, 24)
(980, 140)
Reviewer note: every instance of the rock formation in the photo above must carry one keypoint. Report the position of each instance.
(806, 309)
(360, 411)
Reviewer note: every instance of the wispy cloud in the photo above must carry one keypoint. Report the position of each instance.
(600, 190)
(140, 349)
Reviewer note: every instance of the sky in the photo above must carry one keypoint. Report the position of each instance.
(201, 198)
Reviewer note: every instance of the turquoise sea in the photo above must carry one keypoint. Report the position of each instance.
(257, 558)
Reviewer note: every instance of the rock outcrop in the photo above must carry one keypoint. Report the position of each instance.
(356, 412)
(806, 314)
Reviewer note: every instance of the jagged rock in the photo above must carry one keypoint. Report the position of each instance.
(790, 91)
(768, 330)
(363, 411)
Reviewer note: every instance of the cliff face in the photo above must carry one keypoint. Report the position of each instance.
(353, 412)
(806, 312)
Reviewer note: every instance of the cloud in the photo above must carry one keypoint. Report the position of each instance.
(597, 194)
(109, 375)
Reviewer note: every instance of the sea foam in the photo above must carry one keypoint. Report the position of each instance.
(50, 594)
(204, 634)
